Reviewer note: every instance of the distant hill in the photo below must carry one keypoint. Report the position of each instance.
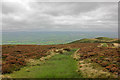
(97, 40)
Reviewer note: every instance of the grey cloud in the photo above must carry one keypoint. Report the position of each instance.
(59, 16)
(68, 8)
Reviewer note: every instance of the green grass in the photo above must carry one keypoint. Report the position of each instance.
(104, 45)
(104, 38)
(59, 66)
(84, 41)
(96, 40)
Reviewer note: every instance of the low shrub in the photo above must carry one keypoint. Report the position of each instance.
(104, 64)
(114, 69)
(67, 49)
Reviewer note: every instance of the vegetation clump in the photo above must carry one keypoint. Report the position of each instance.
(105, 56)
(67, 49)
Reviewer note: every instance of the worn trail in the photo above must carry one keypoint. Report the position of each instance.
(58, 66)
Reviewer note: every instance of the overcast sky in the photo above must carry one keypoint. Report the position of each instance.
(59, 16)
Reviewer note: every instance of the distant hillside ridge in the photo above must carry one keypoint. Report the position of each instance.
(97, 40)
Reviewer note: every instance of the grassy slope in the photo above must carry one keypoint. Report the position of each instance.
(97, 40)
(59, 66)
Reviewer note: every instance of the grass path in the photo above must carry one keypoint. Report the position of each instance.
(59, 66)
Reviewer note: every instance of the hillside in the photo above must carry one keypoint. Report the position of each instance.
(79, 60)
(97, 40)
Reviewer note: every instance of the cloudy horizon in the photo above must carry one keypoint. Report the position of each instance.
(60, 16)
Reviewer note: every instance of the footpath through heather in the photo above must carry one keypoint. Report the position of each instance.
(58, 66)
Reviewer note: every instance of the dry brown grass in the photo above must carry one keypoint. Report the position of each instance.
(93, 70)
(89, 69)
